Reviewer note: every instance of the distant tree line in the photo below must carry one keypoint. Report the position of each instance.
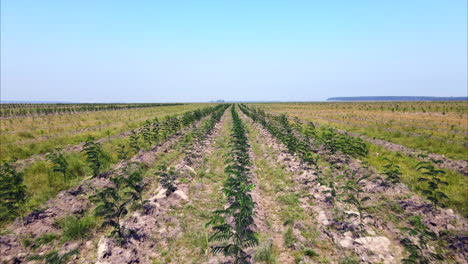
(397, 98)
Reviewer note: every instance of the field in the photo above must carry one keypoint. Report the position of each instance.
(235, 183)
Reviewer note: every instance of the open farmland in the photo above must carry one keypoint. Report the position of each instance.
(236, 183)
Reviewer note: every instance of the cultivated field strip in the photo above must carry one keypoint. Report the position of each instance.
(348, 144)
(73, 132)
(362, 226)
(21, 164)
(434, 137)
(400, 121)
(37, 142)
(409, 124)
(77, 127)
(74, 121)
(460, 166)
(276, 205)
(380, 153)
(43, 223)
(292, 232)
(441, 142)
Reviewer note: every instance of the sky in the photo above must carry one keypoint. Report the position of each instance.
(195, 51)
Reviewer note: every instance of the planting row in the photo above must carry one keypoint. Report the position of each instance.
(233, 225)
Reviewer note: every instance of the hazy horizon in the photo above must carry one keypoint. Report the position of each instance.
(199, 51)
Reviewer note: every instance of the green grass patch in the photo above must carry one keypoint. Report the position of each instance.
(74, 227)
(289, 238)
(40, 241)
(266, 253)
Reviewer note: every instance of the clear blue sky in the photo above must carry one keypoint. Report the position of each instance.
(159, 51)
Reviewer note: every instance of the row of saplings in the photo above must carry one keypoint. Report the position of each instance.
(113, 202)
(297, 137)
(155, 130)
(233, 227)
(168, 177)
(281, 128)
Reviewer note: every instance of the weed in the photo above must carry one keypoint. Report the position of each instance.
(310, 252)
(40, 241)
(265, 253)
(289, 238)
(54, 257)
(349, 260)
(76, 228)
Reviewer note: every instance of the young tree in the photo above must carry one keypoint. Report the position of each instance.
(432, 191)
(167, 180)
(12, 191)
(94, 156)
(113, 203)
(392, 171)
(135, 141)
(147, 133)
(356, 197)
(121, 152)
(60, 164)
